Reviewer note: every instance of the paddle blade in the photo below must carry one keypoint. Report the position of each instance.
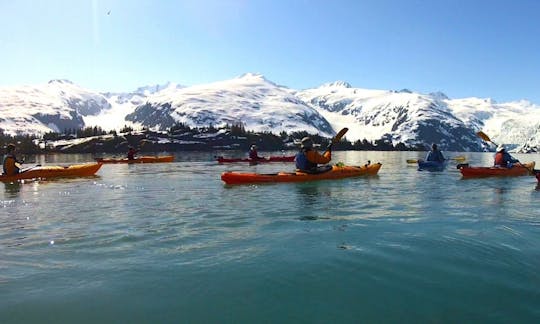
(339, 135)
(459, 158)
(412, 161)
(483, 136)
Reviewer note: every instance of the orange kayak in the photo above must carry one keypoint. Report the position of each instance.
(516, 170)
(46, 172)
(140, 159)
(337, 172)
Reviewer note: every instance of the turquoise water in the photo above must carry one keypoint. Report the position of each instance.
(172, 243)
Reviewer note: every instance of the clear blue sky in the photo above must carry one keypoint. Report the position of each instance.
(482, 48)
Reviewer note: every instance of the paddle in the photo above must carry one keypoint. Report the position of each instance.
(486, 138)
(455, 158)
(30, 168)
(337, 138)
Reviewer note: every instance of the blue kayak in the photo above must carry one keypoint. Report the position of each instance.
(431, 165)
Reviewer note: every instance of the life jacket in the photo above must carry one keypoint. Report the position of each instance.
(10, 168)
(131, 154)
(302, 162)
(499, 159)
(253, 154)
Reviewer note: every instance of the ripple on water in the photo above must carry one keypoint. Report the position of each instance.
(404, 244)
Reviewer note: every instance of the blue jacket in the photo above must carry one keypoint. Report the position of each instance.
(435, 156)
(302, 162)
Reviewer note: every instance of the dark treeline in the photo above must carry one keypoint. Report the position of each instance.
(230, 136)
(70, 133)
(25, 143)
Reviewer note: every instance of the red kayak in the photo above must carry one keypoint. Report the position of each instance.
(139, 159)
(516, 170)
(221, 159)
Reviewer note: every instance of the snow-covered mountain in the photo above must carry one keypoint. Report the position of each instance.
(54, 106)
(398, 116)
(249, 100)
(516, 124)
(418, 119)
(123, 104)
(258, 104)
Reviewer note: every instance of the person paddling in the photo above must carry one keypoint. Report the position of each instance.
(131, 153)
(253, 154)
(435, 154)
(11, 164)
(308, 159)
(504, 159)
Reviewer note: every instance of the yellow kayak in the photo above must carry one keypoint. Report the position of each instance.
(46, 172)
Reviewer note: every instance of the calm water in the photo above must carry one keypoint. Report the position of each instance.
(172, 243)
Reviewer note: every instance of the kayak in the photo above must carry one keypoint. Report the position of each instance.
(221, 159)
(431, 165)
(537, 175)
(336, 172)
(46, 172)
(516, 170)
(140, 159)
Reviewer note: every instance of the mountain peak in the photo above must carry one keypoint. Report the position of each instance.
(250, 75)
(60, 81)
(255, 77)
(336, 84)
(439, 95)
(404, 90)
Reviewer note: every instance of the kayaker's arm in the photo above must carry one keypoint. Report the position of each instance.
(442, 158)
(316, 157)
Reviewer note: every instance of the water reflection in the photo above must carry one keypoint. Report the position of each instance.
(309, 194)
(499, 195)
(311, 198)
(500, 190)
(12, 189)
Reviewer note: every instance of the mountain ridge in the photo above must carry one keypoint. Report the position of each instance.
(261, 105)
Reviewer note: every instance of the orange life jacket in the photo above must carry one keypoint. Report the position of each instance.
(499, 159)
(10, 168)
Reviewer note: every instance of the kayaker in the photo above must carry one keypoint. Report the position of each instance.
(503, 158)
(308, 159)
(435, 154)
(253, 153)
(131, 153)
(11, 164)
